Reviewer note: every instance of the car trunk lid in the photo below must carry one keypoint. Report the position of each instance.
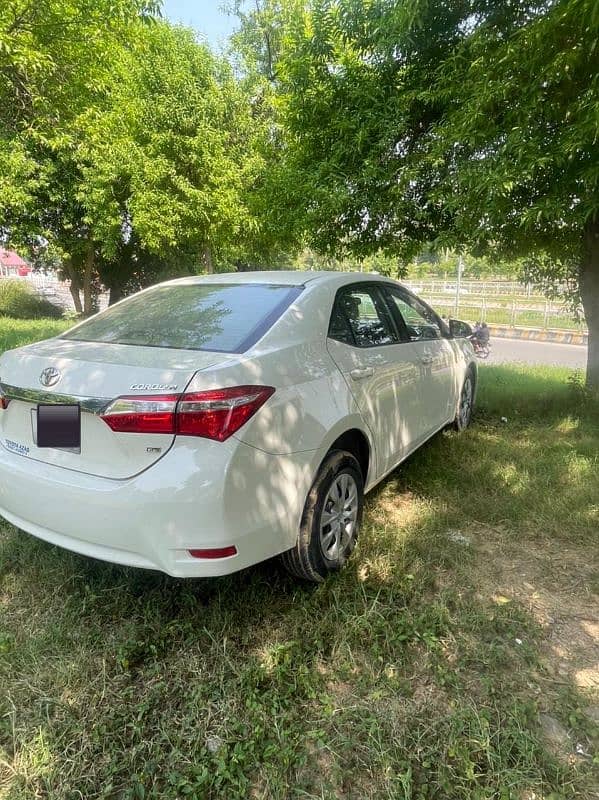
(93, 375)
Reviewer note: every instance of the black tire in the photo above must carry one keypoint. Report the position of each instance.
(463, 416)
(311, 559)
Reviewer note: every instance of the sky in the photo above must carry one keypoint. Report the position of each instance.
(203, 15)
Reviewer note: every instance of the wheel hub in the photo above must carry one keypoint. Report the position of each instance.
(339, 516)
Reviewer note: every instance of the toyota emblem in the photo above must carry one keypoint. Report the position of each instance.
(50, 376)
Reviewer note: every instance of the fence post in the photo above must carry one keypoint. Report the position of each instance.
(546, 314)
(513, 323)
(458, 285)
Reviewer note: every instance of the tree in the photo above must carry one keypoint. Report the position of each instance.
(525, 112)
(258, 39)
(174, 158)
(471, 123)
(134, 162)
(272, 198)
(56, 71)
(56, 57)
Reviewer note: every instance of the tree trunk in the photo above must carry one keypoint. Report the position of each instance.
(589, 293)
(74, 284)
(116, 294)
(87, 281)
(208, 260)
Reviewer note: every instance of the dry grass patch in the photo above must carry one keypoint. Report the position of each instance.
(556, 584)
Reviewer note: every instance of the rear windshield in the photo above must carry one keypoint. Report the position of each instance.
(228, 318)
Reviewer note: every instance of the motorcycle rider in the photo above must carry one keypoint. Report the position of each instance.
(480, 336)
(483, 335)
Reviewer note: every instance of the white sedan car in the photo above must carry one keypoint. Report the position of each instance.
(209, 423)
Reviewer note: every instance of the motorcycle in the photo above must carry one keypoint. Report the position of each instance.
(480, 350)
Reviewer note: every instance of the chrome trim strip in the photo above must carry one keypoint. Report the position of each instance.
(92, 405)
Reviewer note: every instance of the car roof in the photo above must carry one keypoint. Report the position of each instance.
(288, 277)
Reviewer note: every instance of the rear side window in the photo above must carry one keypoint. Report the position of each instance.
(227, 318)
(361, 318)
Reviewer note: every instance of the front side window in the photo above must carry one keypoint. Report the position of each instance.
(421, 323)
(227, 318)
(360, 318)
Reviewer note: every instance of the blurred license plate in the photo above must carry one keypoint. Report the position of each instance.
(58, 425)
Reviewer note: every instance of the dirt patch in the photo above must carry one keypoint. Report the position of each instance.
(555, 584)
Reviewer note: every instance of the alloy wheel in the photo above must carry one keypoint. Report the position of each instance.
(339, 516)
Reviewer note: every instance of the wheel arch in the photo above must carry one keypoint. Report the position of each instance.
(354, 441)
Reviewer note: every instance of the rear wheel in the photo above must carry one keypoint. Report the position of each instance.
(331, 519)
(466, 404)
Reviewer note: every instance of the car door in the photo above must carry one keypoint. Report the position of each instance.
(365, 342)
(437, 389)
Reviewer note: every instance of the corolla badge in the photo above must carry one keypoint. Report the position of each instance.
(152, 387)
(50, 376)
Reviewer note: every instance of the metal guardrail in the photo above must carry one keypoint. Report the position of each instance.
(448, 286)
(505, 305)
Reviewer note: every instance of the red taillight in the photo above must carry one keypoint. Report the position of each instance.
(214, 414)
(218, 413)
(3, 401)
(214, 552)
(149, 414)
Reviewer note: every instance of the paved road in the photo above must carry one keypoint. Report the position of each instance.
(563, 355)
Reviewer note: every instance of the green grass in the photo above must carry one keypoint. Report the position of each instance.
(17, 332)
(19, 300)
(420, 672)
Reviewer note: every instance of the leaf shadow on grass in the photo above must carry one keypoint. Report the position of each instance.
(402, 677)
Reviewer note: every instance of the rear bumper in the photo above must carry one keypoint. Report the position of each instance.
(214, 496)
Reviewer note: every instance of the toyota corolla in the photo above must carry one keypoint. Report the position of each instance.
(209, 423)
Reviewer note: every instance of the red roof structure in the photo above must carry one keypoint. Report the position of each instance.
(12, 264)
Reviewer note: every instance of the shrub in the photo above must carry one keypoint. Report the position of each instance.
(18, 300)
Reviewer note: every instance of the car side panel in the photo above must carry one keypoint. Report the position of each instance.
(311, 396)
(388, 398)
(437, 384)
(465, 359)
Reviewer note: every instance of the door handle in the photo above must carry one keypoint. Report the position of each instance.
(427, 360)
(362, 372)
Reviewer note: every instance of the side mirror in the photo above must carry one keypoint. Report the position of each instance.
(459, 329)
